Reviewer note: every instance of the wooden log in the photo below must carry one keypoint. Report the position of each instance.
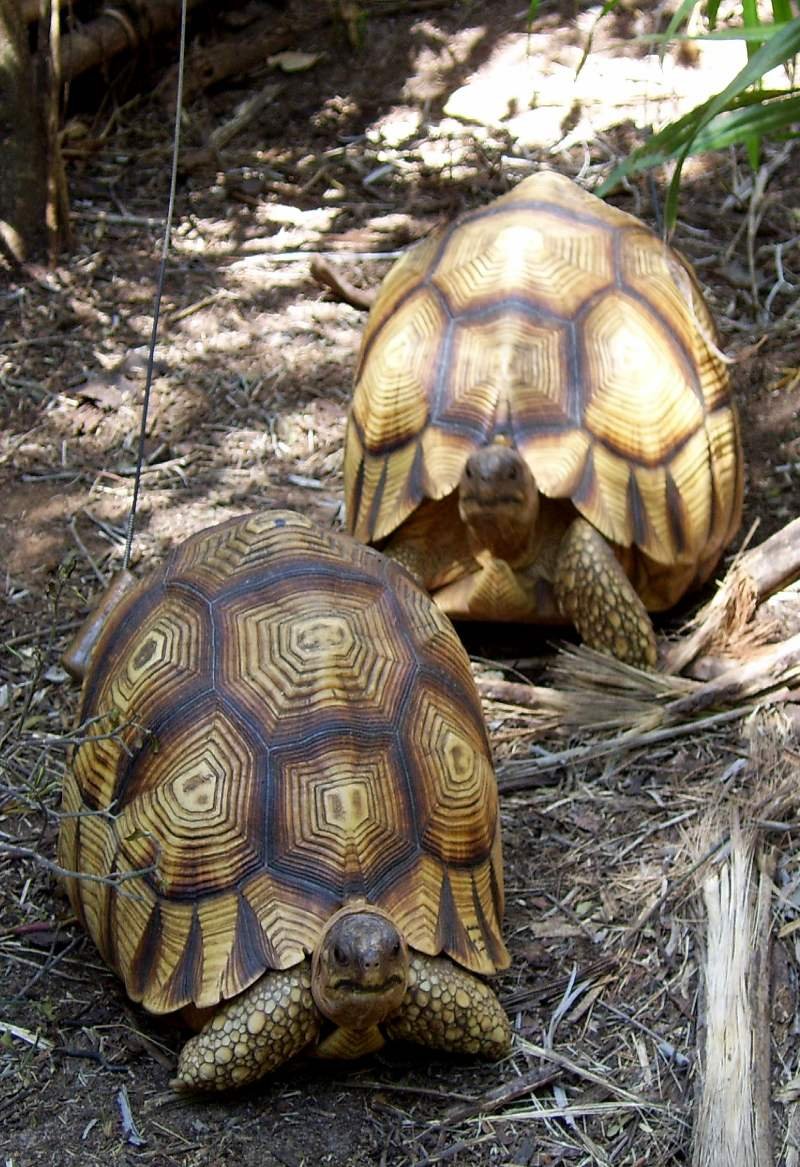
(115, 31)
(753, 576)
(249, 49)
(732, 1126)
(743, 679)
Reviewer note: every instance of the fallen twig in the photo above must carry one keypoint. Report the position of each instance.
(519, 774)
(326, 275)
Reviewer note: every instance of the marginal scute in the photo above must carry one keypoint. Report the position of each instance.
(314, 737)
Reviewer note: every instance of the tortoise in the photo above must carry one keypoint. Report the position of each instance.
(541, 427)
(285, 806)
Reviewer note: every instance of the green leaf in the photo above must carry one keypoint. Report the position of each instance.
(754, 112)
(751, 21)
(779, 48)
(608, 6)
(731, 128)
(739, 33)
(680, 17)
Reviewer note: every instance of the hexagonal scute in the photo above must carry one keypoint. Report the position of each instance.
(506, 366)
(636, 382)
(341, 817)
(243, 551)
(530, 258)
(454, 784)
(314, 649)
(192, 804)
(398, 373)
(166, 657)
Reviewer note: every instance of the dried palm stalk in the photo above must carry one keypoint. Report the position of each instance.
(732, 1124)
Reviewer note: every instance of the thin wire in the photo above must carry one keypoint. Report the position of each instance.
(137, 479)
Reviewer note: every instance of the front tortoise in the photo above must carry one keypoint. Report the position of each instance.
(542, 427)
(284, 812)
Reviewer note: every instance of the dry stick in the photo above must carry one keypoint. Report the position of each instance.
(519, 775)
(535, 697)
(754, 575)
(493, 1099)
(114, 881)
(244, 114)
(328, 277)
(559, 1059)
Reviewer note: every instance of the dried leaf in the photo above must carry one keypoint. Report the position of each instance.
(293, 62)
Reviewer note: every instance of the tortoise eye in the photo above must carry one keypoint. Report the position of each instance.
(339, 955)
(468, 470)
(396, 948)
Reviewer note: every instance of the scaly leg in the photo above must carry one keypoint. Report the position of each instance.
(600, 600)
(256, 1032)
(446, 1007)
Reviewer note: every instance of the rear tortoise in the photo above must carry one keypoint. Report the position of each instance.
(286, 807)
(541, 427)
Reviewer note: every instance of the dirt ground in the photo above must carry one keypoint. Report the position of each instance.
(356, 156)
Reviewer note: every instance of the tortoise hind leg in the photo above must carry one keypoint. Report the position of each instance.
(446, 1007)
(599, 599)
(254, 1033)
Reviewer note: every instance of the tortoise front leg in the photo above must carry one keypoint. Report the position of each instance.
(254, 1033)
(446, 1007)
(600, 600)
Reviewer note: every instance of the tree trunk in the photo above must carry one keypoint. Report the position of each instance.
(23, 175)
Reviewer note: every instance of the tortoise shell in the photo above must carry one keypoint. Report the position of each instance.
(563, 326)
(277, 723)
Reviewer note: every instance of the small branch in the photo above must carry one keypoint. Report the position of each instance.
(524, 773)
(494, 1099)
(15, 852)
(34, 1039)
(559, 1059)
(244, 114)
(342, 289)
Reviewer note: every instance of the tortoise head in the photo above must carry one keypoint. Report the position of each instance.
(359, 971)
(498, 500)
